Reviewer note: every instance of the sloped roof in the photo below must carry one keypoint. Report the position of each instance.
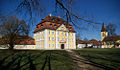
(79, 42)
(95, 42)
(19, 40)
(51, 22)
(103, 28)
(111, 38)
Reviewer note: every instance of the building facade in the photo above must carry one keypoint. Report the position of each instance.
(20, 42)
(109, 41)
(54, 33)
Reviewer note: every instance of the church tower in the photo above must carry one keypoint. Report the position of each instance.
(104, 32)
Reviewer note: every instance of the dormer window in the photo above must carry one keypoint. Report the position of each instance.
(54, 25)
(50, 25)
(67, 28)
(37, 27)
(41, 25)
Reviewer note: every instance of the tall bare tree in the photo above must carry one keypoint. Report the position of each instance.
(10, 27)
(111, 28)
(86, 42)
(35, 6)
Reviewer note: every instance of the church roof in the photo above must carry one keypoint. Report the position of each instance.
(51, 22)
(103, 28)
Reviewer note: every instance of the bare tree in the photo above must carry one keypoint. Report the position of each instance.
(78, 37)
(10, 27)
(111, 28)
(86, 42)
(35, 6)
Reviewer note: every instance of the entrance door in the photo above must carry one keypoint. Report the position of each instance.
(62, 46)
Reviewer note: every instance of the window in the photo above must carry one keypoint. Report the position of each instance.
(70, 45)
(62, 39)
(49, 38)
(67, 28)
(58, 45)
(58, 38)
(50, 25)
(72, 39)
(66, 39)
(62, 28)
(72, 34)
(62, 33)
(65, 34)
(53, 45)
(52, 38)
(49, 45)
(103, 34)
(69, 39)
(49, 31)
(54, 25)
(58, 33)
(52, 32)
(41, 25)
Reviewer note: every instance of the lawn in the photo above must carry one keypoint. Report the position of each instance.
(35, 60)
(109, 58)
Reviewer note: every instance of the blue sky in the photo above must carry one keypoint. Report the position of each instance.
(107, 11)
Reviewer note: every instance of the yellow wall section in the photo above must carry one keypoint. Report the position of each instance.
(54, 42)
(103, 35)
(39, 40)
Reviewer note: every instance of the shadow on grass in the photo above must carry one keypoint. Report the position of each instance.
(15, 62)
(88, 61)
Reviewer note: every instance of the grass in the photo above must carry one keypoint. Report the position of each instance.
(35, 60)
(107, 57)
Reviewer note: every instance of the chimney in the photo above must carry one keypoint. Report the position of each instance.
(58, 16)
(50, 15)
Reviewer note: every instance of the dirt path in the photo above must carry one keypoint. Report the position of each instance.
(82, 63)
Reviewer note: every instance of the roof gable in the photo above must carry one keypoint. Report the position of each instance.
(62, 28)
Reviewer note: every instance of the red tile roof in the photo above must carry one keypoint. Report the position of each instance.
(20, 40)
(111, 38)
(95, 42)
(51, 22)
(79, 42)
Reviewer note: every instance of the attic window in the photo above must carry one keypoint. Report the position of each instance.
(54, 25)
(70, 28)
(67, 28)
(37, 27)
(50, 25)
(41, 25)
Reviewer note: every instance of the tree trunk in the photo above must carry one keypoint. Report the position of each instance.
(11, 47)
